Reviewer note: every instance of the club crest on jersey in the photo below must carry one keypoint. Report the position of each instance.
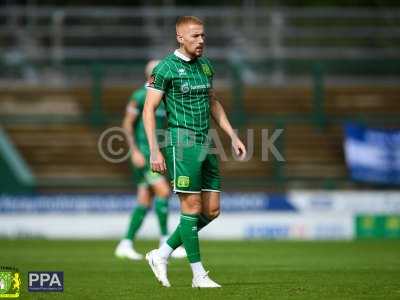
(185, 87)
(183, 181)
(206, 69)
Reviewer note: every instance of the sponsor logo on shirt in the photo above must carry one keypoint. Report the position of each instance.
(200, 86)
(185, 87)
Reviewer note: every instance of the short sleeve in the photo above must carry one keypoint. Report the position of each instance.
(159, 79)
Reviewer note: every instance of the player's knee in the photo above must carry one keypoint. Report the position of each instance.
(191, 205)
(163, 192)
(144, 199)
(213, 214)
(194, 207)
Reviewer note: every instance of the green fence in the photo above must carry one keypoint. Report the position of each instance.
(318, 117)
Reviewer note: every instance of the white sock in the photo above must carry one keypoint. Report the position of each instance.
(165, 250)
(163, 239)
(126, 243)
(198, 269)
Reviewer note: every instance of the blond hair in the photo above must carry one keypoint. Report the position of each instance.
(188, 20)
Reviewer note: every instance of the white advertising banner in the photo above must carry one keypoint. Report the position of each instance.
(296, 215)
(355, 202)
(228, 226)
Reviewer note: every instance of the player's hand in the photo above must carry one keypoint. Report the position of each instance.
(239, 148)
(157, 162)
(138, 159)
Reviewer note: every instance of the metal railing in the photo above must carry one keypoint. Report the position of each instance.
(58, 34)
(317, 70)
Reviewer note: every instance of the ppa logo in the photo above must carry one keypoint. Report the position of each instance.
(39, 281)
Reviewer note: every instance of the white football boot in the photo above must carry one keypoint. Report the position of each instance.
(126, 250)
(179, 252)
(203, 281)
(158, 265)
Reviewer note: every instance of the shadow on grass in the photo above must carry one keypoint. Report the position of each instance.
(226, 284)
(244, 283)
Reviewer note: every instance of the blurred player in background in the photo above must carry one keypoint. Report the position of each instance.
(150, 185)
(183, 80)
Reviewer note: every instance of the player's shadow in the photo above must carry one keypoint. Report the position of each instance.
(228, 284)
(243, 283)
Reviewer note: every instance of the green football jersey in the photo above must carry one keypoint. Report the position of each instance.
(139, 96)
(186, 85)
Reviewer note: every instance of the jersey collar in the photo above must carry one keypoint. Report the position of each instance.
(181, 56)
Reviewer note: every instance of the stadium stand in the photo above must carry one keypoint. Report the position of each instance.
(56, 103)
(66, 154)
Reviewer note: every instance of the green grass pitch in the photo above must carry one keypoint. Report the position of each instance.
(245, 269)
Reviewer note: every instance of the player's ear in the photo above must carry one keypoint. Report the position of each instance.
(179, 38)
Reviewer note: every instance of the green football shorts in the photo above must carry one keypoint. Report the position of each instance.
(192, 169)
